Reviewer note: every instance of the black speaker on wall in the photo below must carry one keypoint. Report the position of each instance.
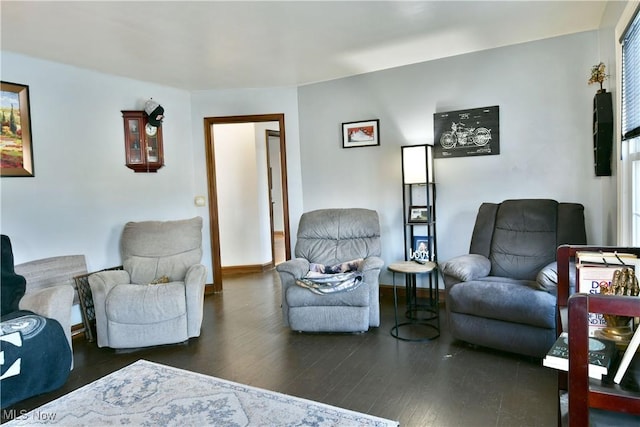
(602, 133)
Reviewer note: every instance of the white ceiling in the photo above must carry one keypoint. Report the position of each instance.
(215, 45)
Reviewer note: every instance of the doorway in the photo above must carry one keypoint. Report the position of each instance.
(213, 189)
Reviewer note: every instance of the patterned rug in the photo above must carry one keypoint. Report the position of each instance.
(149, 394)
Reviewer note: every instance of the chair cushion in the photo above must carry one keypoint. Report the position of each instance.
(298, 296)
(524, 239)
(146, 304)
(151, 249)
(333, 236)
(504, 299)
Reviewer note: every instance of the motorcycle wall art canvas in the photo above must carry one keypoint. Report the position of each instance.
(474, 132)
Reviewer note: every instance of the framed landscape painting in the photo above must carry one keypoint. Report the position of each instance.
(16, 150)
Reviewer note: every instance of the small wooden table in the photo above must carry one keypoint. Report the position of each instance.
(411, 269)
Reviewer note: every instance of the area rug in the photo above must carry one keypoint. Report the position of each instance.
(149, 394)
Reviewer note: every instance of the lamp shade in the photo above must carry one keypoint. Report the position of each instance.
(416, 164)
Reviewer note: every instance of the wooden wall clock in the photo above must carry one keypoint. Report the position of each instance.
(142, 142)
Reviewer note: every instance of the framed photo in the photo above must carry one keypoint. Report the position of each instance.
(474, 132)
(420, 244)
(419, 214)
(16, 150)
(360, 134)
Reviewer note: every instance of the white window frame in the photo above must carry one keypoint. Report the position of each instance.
(628, 184)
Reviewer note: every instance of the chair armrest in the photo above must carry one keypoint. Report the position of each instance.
(54, 302)
(103, 281)
(547, 279)
(194, 282)
(101, 284)
(372, 263)
(467, 267)
(370, 269)
(296, 267)
(50, 302)
(196, 275)
(289, 272)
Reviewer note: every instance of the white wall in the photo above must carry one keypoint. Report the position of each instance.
(545, 137)
(82, 193)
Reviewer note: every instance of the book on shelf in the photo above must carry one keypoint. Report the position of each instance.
(590, 279)
(602, 354)
(607, 258)
(629, 353)
(594, 270)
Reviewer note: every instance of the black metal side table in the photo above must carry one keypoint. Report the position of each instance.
(86, 303)
(420, 315)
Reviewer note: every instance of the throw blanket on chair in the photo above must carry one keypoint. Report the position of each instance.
(325, 279)
(35, 356)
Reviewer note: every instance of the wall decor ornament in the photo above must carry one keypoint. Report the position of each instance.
(598, 75)
(474, 132)
(155, 113)
(142, 142)
(360, 134)
(16, 147)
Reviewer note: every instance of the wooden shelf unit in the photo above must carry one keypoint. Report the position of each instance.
(574, 308)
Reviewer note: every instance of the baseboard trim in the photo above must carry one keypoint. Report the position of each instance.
(246, 269)
(387, 291)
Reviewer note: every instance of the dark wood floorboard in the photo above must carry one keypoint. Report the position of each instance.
(436, 383)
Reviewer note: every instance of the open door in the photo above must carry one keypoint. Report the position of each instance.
(214, 224)
(276, 214)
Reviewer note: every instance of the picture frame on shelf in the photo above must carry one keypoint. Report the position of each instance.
(419, 214)
(360, 134)
(421, 243)
(16, 154)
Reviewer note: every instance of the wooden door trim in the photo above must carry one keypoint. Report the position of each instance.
(214, 226)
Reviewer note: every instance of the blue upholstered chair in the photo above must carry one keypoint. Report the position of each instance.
(502, 294)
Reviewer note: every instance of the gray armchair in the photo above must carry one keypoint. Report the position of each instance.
(329, 237)
(503, 293)
(158, 296)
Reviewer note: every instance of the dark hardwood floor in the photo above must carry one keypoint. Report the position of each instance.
(436, 383)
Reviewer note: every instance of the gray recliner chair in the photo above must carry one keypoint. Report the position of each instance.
(158, 296)
(503, 293)
(330, 237)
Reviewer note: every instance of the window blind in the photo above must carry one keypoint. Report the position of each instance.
(631, 80)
